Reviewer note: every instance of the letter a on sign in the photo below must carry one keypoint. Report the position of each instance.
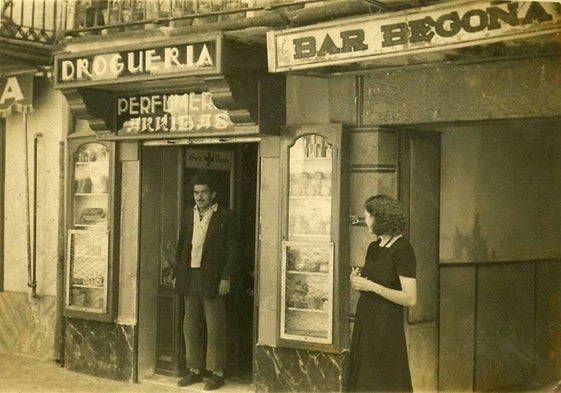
(16, 94)
(11, 90)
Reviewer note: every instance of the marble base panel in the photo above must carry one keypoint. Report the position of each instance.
(27, 325)
(101, 349)
(296, 370)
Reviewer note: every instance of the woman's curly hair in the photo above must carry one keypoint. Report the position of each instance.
(388, 215)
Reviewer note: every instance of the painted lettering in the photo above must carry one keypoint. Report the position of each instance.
(116, 64)
(221, 121)
(328, 47)
(536, 13)
(395, 34)
(304, 47)
(12, 90)
(497, 14)
(351, 41)
(122, 106)
(472, 21)
(171, 57)
(205, 59)
(82, 69)
(133, 63)
(448, 25)
(170, 113)
(421, 30)
(151, 58)
(132, 67)
(67, 71)
(99, 65)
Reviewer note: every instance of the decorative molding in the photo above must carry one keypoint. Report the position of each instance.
(78, 107)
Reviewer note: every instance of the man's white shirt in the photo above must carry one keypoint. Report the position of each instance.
(200, 227)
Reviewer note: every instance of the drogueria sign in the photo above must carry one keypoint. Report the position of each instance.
(444, 26)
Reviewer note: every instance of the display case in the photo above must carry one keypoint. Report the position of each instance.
(89, 272)
(311, 249)
(307, 292)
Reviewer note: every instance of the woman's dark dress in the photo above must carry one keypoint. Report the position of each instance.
(378, 350)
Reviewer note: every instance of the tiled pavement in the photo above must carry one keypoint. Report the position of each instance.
(24, 375)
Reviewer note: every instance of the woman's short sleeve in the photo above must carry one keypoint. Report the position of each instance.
(405, 260)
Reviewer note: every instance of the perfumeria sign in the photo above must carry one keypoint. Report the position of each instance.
(446, 26)
(173, 113)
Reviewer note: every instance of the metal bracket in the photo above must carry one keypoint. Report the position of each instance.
(357, 221)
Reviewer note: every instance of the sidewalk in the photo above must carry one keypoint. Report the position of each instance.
(23, 375)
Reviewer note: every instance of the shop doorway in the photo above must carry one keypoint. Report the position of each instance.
(165, 172)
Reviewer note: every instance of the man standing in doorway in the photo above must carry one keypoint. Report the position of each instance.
(204, 267)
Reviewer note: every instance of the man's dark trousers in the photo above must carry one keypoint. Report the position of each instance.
(201, 309)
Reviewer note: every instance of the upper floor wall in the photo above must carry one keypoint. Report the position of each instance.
(41, 21)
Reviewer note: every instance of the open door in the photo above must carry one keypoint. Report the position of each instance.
(166, 172)
(420, 192)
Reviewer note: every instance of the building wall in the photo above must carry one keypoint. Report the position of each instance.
(505, 208)
(27, 325)
(493, 90)
(499, 234)
(499, 218)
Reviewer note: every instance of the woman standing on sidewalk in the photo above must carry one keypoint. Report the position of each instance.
(386, 283)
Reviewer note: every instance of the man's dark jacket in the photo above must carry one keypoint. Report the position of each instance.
(219, 252)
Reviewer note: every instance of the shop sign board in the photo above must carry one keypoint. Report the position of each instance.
(133, 64)
(209, 159)
(16, 94)
(441, 27)
(152, 114)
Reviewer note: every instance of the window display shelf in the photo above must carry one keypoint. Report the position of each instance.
(309, 334)
(326, 198)
(306, 310)
(89, 265)
(86, 286)
(308, 273)
(306, 290)
(311, 158)
(310, 316)
(311, 235)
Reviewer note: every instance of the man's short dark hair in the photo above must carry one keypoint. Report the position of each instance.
(202, 178)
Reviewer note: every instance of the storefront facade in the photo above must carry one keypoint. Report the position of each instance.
(443, 97)
(148, 117)
(445, 103)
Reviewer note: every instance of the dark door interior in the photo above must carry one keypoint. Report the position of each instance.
(166, 172)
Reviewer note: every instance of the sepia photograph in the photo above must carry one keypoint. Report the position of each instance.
(280, 196)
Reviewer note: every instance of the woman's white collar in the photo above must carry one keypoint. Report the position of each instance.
(391, 241)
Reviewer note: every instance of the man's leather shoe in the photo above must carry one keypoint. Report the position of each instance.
(214, 382)
(190, 379)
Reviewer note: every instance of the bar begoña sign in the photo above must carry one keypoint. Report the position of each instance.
(174, 113)
(445, 26)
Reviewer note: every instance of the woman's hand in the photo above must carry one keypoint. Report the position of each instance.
(357, 282)
(355, 272)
